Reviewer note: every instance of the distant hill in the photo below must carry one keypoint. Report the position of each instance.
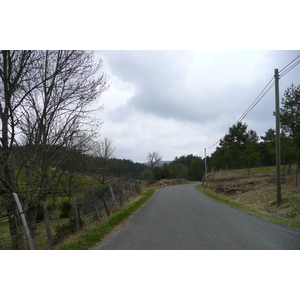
(161, 163)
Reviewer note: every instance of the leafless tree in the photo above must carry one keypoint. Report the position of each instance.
(17, 68)
(103, 151)
(48, 108)
(153, 159)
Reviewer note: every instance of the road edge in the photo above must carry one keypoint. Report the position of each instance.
(287, 222)
(94, 235)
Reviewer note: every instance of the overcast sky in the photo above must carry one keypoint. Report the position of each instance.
(180, 102)
(174, 102)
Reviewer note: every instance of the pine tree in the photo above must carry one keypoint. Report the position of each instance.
(290, 115)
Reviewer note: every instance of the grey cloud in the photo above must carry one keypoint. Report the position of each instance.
(210, 94)
(160, 78)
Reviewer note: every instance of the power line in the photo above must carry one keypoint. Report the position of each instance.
(266, 89)
(258, 98)
(289, 69)
(288, 65)
(214, 144)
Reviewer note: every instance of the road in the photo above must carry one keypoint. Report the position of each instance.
(180, 217)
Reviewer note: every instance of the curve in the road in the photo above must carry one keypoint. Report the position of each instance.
(180, 217)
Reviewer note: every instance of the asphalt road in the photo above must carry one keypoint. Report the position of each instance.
(180, 217)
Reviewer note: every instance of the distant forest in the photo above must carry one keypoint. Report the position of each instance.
(243, 148)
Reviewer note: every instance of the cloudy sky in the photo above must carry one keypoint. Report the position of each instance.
(174, 102)
(180, 102)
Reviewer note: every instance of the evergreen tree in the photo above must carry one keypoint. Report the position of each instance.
(267, 148)
(234, 143)
(290, 115)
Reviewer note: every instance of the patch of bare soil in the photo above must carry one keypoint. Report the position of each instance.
(258, 191)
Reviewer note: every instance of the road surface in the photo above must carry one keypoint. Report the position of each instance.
(180, 217)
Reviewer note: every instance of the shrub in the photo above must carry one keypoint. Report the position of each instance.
(64, 230)
(66, 208)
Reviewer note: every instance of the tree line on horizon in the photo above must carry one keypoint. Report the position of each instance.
(243, 148)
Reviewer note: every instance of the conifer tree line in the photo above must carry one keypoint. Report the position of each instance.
(243, 148)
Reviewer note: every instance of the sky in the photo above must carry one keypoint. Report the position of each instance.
(178, 102)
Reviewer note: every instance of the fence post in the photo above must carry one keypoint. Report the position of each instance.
(134, 189)
(105, 206)
(47, 224)
(97, 214)
(297, 169)
(126, 190)
(113, 196)
(26, 229)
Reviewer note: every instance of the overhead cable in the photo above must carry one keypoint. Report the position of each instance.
(257, 99)
(266, 89)
(289, 68)
(288, 64)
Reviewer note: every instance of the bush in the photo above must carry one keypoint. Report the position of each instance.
(64, 230)
(66, 208)
(39, 214)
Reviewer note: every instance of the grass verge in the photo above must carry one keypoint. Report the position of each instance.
(95, 235)
(250, 210)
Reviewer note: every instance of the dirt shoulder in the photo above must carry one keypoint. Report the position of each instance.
(257, 190)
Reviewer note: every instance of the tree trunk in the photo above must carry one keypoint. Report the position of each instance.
(31, 220)
(283, 171)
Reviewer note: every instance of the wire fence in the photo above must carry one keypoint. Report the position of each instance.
(60, 218)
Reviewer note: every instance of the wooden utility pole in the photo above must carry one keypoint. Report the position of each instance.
(278, 159)
(205, 164)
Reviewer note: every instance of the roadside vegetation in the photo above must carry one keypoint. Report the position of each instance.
(242, 172)
(93, 235)
(256, 193)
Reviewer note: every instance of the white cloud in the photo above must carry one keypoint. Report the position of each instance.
(179, 102)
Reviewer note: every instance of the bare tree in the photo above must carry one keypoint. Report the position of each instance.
(17, 68)
(55, 94)
(103, 151)
(153, 159)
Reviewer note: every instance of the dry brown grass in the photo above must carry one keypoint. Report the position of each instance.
(258, 190)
